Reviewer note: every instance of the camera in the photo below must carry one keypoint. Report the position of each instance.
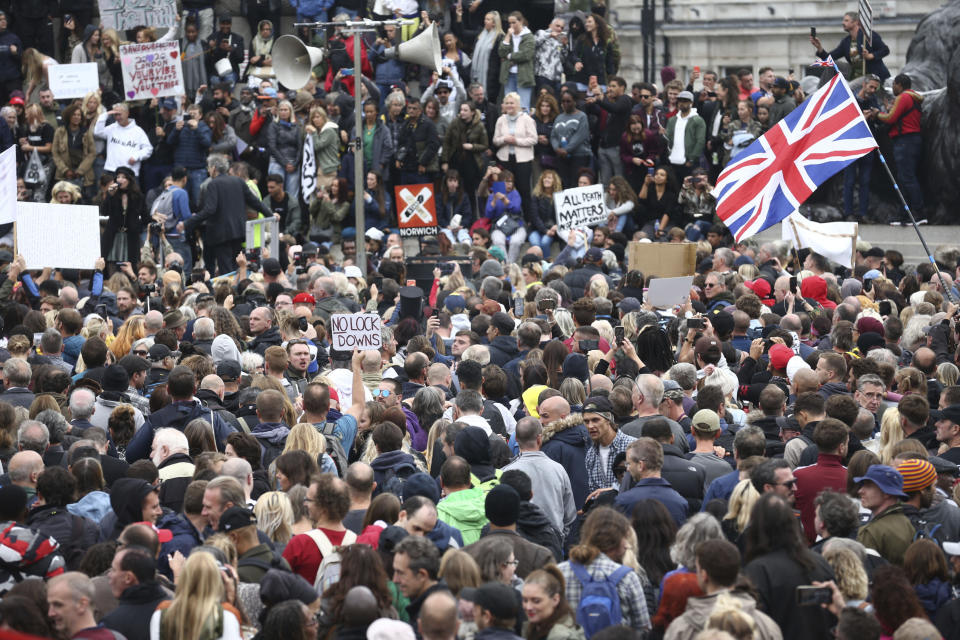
(253, 258)
(302, 324)
(586, 346)
(148, 288)
(446, 268)
(156, 226)
(695, 323)
(546, 305)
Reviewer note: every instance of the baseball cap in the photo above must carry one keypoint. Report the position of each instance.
(781, 82)
(788, 423)
(16, 100)
(942, 465)
(951, 413)
(271, 267)
(917, 475)
(873, 274)
(886, 478)
(722, 322)
(594, 254)
(706, 420)
(235, 518)
(158, 352)
(672, 389)
(352, 271)
(421, 484)
(304, 298)
(168, 103)
(374, 234)
(706, 345)
(759, 286)
(268, 93)
(780, 355)
(497, 598)
(229, 370)
(598, 404)
(163, 535)
(134, 364)
(455, 303)
(629, 304)
(684, 95)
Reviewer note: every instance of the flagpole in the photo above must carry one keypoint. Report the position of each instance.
(896, 187)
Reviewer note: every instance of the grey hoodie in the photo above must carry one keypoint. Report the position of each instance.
(694, 619)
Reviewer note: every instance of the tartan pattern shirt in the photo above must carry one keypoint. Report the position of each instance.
(602, 478)
(633, 604)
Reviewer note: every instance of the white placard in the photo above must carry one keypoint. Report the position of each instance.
(151, 70)
(665, 293)
(73, 80)
(360, 331)
(836, 241)
(60, 236)
(255, 234)
(127, 14)
(580, 207)
(8, 185)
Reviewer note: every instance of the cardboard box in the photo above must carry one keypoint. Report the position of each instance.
(662, 259)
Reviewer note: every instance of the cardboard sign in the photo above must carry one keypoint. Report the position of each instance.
(416, 209)
(73, 80)
(127, 14)
(662, 259)
(60, 236)
(359, 331)
(151, 70)
(580, 207)
(8, 185)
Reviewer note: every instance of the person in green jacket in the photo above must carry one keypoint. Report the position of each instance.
(686, 137)
(464, 507)
(517, 50)
(324, 135)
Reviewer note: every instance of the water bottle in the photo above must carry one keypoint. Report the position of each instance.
(563, 142)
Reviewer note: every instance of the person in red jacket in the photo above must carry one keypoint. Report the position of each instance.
(904, 121)
(831, 439)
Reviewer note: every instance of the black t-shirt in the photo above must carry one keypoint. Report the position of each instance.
(39, 138)
(952, 454)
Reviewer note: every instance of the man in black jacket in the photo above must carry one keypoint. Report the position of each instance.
(225, 203)
(579, 279)
(134, 585)
(49, 516)
(418, 150)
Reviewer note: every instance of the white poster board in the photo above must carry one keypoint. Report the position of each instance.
(666, 293)
(836, 241)
(361, 331)
(73, 80)
(127, 14)
(8, 185)
(151, 70)
(580, 207)
(60, 236)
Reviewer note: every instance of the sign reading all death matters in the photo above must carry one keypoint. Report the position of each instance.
(361, 331)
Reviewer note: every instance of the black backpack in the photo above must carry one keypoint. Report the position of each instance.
(395, 477)
(334, 447)
(276, 562)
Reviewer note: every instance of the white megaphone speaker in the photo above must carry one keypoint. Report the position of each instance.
(293, 61)
(423, 50)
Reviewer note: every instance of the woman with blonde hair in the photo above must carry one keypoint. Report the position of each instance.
(459, 570)
(947, 374)
(131, 331)
(481, 70)
(305, 437)
(910, 380)
(891, 432)
(744, 496)
(283, 143)
(274, 514)
(198, 610)
(848, 571)
(322, 133)
(65, 193)
(34, 66)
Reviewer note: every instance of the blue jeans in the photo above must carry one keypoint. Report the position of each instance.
(850, 182)
(543, 241)
(195, 178)
(229, 78)
(180, 246)
(526, 93)
(907, 151)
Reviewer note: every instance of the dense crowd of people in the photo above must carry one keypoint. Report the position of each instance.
(536, 451)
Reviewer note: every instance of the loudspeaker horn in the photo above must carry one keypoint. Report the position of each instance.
(423, 50)
(293, 61)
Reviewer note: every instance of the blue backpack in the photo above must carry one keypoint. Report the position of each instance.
(599, 605)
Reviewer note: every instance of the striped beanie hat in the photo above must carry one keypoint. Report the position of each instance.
(917, 475)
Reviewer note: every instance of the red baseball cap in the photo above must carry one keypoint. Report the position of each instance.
(780, 355)
(304, 298)
(163, 535)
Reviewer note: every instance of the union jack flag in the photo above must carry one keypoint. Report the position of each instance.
(817, 62)
(772, 177)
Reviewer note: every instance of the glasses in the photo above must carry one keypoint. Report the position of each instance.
(381, 393)
(142, 354)
(645, 96)
(789, 484)
(511, 563)
(710, 285)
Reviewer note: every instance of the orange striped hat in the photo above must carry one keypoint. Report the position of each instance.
(917, 475)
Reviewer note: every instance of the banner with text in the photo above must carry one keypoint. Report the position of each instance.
(73, 80)
(127, 14)
(151, 70)
(416, 209)
(580, 207)
(8, 185)
(59, 236)
(359, 331)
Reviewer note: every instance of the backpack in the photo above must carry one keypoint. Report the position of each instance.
(72, 550)
(599, 605)
(329, 571)
(395, 477)
(334, 447)
(270, 451)
(276, 562)
(739, 142)
(164, 204)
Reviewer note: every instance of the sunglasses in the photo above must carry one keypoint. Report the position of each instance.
(381, 393)
(142, 354)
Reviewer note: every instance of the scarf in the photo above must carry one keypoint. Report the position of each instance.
(481, 56)
(512, 129)
(262, 47)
